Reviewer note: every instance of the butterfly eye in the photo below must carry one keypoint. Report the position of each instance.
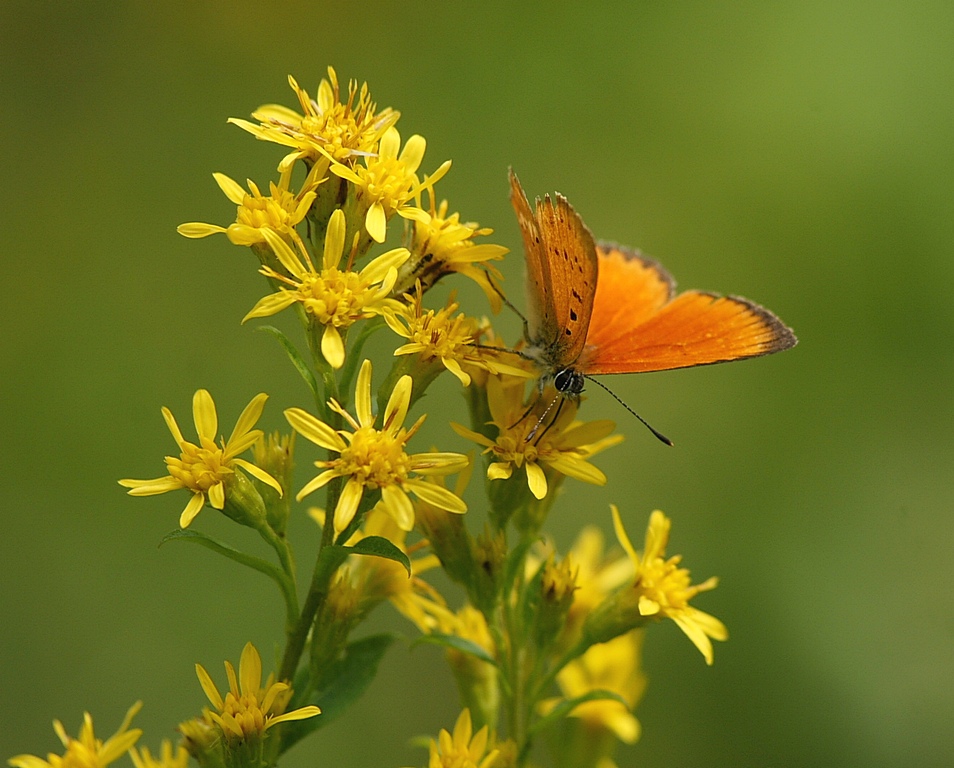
(568, 382)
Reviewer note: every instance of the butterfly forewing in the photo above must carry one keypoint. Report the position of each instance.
(541, 313)
(570, 252)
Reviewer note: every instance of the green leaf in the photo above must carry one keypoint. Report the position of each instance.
(255, 563)
(340, 685)
(333, 555)
(296, 359)
(564, 708)
(378, 546)
(458, 644)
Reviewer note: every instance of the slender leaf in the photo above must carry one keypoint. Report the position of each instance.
(564, 708)
(226, 550)
(378, 546)
(296, 359)
(458, 644)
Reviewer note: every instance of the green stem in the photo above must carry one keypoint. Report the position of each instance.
(317, 591)
(289, 585)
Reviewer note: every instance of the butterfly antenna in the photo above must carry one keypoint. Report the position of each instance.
(505, 300)
(533, 432)
(659, 435)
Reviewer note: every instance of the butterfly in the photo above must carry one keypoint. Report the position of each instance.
(597, 307)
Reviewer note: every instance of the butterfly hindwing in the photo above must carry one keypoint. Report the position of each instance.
(659, 332)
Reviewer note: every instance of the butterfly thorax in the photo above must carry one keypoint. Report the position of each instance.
(550, 359)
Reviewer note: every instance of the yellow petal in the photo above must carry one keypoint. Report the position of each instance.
(362, 395)
(192, 509)
(471, 435)
(454, 367)
(250, 671)
(413, 153)
(231, 188)
(698, 637)
(317, 482)
(332, 347)
(259, 474)
(398, 402)
(205, 680)
(196, 229)
(499, 470)
(203, 412)
(436, 495)
(376, 222)
(398, 506)
(216, 495)
(536, 479)
(284, 253)
(348, 504)
(152, 487)
(315, 430)
(390, 143)
(334, 240)
(249, 416)
(622, 536)
(271, 304)
(173, 426)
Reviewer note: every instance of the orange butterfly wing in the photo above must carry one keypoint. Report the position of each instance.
(637, 326)
(561, 277)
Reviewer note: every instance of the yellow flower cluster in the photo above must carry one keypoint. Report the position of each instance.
(539, 638)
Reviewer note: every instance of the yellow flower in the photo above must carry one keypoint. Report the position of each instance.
(612, 666)
(248, 708)
(204, 468)
(388, 182)
(441, 245)
(563, 446)
(442, 336)
(464, 749)
(280, 211)
(664, 589)
(336, 298)
(327, 126)
(375, 459)
(166, 759)
(86, 751)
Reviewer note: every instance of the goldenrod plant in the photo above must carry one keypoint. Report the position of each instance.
(546, 647)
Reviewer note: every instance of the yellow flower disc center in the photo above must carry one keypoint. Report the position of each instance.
(376, 459)
(387, 181)
(198, 469)
(335, 297)
(273, 212)
(246, 712)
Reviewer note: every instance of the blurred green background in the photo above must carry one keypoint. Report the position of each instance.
(799, 154)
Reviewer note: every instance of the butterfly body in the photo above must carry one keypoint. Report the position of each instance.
(599, 308)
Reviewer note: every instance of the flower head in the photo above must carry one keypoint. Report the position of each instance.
(86, 751)
(334, 297)
(375, 459)
(664, 590)
(442, 245)
(248, 708)
(166, 759)
(280, 211)
(611, 666)
(387, 183)
(442, 336)
(327, 127)
(205, 468)
(464, 749)
(564, 446)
